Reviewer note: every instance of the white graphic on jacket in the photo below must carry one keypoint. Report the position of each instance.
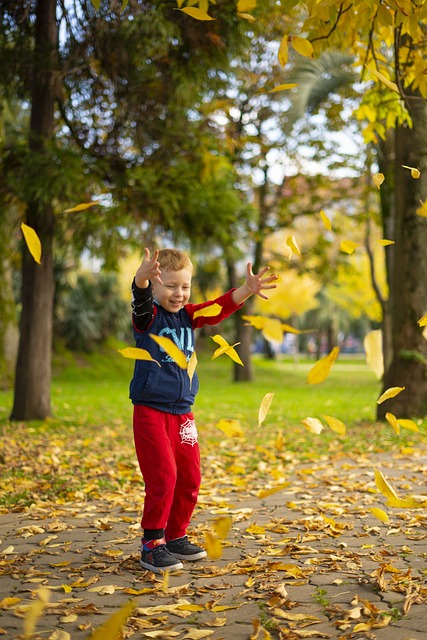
(183, 342)
(188, 432)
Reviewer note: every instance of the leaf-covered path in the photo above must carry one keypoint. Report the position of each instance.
(308, 561)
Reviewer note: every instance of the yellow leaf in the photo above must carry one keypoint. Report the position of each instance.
(226, 348)
(71, 617)
(264, 407)
(81, 207)
(415, 173)
(104, 590)
(283, 51)
(326, 222)
(422, 210)
(313, 425)
(191, 607)
(33, 243)
(264, 493)
(208, 312)
(283, 87)
(191, 367)
(137, 354)
(406, 503)
(213, 546)
(67, 588)
(383, 486)
(391, 85)
(272, 330)
(408, 424)
(231, 428)
(303, 46)
(288, 329)
(35, 610)
(247, 16)
(7, 603)
(423, 321)
(391, 419)
(348, 246)
(171, 349)
(336, 425)
(373, 344)
(112, 627)
(321, 369)
(390, 393)
(196, 13)
(222, 526)
(292, 244)
(246, 5)
(379, 514)
(378, 179)
(386, 243)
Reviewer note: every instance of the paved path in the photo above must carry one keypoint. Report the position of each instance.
(308, 561)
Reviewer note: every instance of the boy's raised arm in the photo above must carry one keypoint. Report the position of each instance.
(255, 284)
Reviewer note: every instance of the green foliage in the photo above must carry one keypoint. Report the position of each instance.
(91, 312)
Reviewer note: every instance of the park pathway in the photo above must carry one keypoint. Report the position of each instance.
(309, 561)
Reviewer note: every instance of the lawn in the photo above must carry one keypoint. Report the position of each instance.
(86, 448)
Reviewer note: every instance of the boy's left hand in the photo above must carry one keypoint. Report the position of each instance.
(256, 283)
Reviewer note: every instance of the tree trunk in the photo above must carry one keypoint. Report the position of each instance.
(33, 369)
(408, 367)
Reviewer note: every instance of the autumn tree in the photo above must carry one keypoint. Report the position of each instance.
(110, 105)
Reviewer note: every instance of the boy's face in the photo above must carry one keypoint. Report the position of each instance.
(175, 291)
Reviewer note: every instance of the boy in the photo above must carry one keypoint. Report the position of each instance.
(164, 430)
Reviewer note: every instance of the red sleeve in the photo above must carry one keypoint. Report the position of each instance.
(225, 301)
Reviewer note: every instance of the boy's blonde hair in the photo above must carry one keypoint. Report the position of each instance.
(174, 260)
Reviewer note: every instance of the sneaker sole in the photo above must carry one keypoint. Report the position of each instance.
(195, 556)
(151, 567)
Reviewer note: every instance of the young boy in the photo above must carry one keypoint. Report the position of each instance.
(164, 430)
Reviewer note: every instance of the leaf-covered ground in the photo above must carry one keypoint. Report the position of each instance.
(314, 549)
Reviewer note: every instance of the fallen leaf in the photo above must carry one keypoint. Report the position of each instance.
(336, 425)
(313, 425)
(231, 428)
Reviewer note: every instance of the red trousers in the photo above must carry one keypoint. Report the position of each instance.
(169, 458)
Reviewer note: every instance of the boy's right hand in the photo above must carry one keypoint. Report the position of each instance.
(149, 269)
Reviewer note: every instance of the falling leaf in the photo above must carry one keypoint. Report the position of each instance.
(246, 5)
(292, 244)
(213, 546)
(391, 419)
(191, 367)
(383, 486)
(321, 369)
(390, 393)
(226, 348)
(264, 407)
(231, 428)
(303, 46)
(373, 344)
(35, 610)
(386, 243)
(379, 514)
(33, 243)
(222, 526)
(415, 173)
(196, 13)
(313, 425)
(207, 312)
(264, 493)
(113, 626)
(408, 424)
(326, 222)
(288, 329)
(171, 349)
(271, 328)
(283, 87)
(81, 207)
(378, 179)
(7, 603)
(423, 321)
(247, 16)
(422, 210)
(336, 425)
(283, 52)
(137, 354)
(348, 246)
(165, 581)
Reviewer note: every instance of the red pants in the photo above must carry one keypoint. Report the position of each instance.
(169, 458)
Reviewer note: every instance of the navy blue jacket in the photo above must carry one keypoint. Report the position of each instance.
(168, 388)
